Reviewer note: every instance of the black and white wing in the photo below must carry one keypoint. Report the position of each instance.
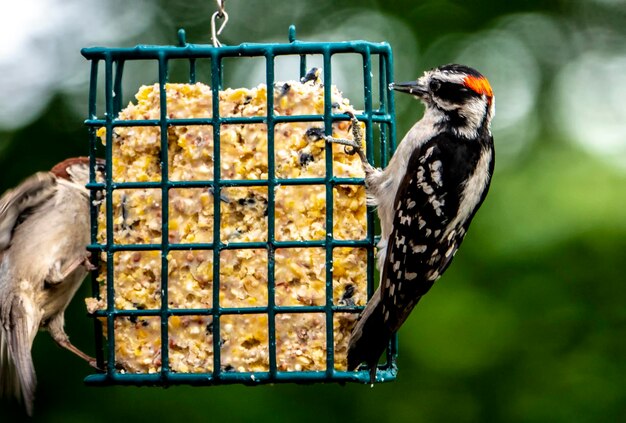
(445, 183)
(416, 251)
(432, 210)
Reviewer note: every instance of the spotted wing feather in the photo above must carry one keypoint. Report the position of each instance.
(426, 233)
(416, 250)
(427, 230)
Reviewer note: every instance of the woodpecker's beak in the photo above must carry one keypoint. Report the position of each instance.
(416, 88)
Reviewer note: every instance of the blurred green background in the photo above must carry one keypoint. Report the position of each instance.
(528, 324)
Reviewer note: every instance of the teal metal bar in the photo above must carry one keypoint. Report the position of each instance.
(271, 214)
(383, 93)
(192, 71)
(391, 107)
(231, 310)
(117, 87)
(376, 117)
(216, 86)
(292, 39)
(108, 70)
(328, 130)
(387, 58)
(229, 378)
(234, 183)
(93, 197)
(369, 136)
(165, 351)
(146, 52)
(238, 245)
(114, 60)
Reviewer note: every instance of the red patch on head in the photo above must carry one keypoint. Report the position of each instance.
(479, 85)
(60, 169)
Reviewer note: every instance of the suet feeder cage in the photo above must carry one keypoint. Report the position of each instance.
(212, 320)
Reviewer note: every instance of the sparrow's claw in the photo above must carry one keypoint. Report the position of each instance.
(94, 363)
(88, 264)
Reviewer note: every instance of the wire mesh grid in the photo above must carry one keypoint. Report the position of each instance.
(113, 60)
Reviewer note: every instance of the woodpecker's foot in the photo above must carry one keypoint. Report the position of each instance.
(354, 145)
(351, 146)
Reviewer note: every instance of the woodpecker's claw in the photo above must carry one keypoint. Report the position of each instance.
(351, 148)
(356, 129)
(354, 146)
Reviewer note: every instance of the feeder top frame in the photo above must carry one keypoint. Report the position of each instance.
(185, 50)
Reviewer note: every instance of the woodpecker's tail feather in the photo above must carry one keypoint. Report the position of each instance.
(17, 372)
(369, 337)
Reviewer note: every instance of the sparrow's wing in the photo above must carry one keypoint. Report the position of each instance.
(18, 203)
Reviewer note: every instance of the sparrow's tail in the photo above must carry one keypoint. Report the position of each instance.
(17, 372)
(369, 337)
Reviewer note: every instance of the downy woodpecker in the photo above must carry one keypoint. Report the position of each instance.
(426, 198)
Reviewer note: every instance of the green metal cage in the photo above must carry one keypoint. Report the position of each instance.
(113, 60)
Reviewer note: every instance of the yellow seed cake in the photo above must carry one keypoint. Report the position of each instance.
(300, 215)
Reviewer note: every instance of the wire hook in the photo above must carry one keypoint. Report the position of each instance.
(221, 13)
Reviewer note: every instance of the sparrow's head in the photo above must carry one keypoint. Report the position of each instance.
(459, 95)
(76, 170)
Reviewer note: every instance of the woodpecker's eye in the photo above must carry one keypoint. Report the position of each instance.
(434, 85)
(452, 92)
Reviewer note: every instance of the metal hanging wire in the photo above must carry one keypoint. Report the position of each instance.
(219, 14)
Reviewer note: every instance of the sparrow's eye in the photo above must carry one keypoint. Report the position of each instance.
(434, 85)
